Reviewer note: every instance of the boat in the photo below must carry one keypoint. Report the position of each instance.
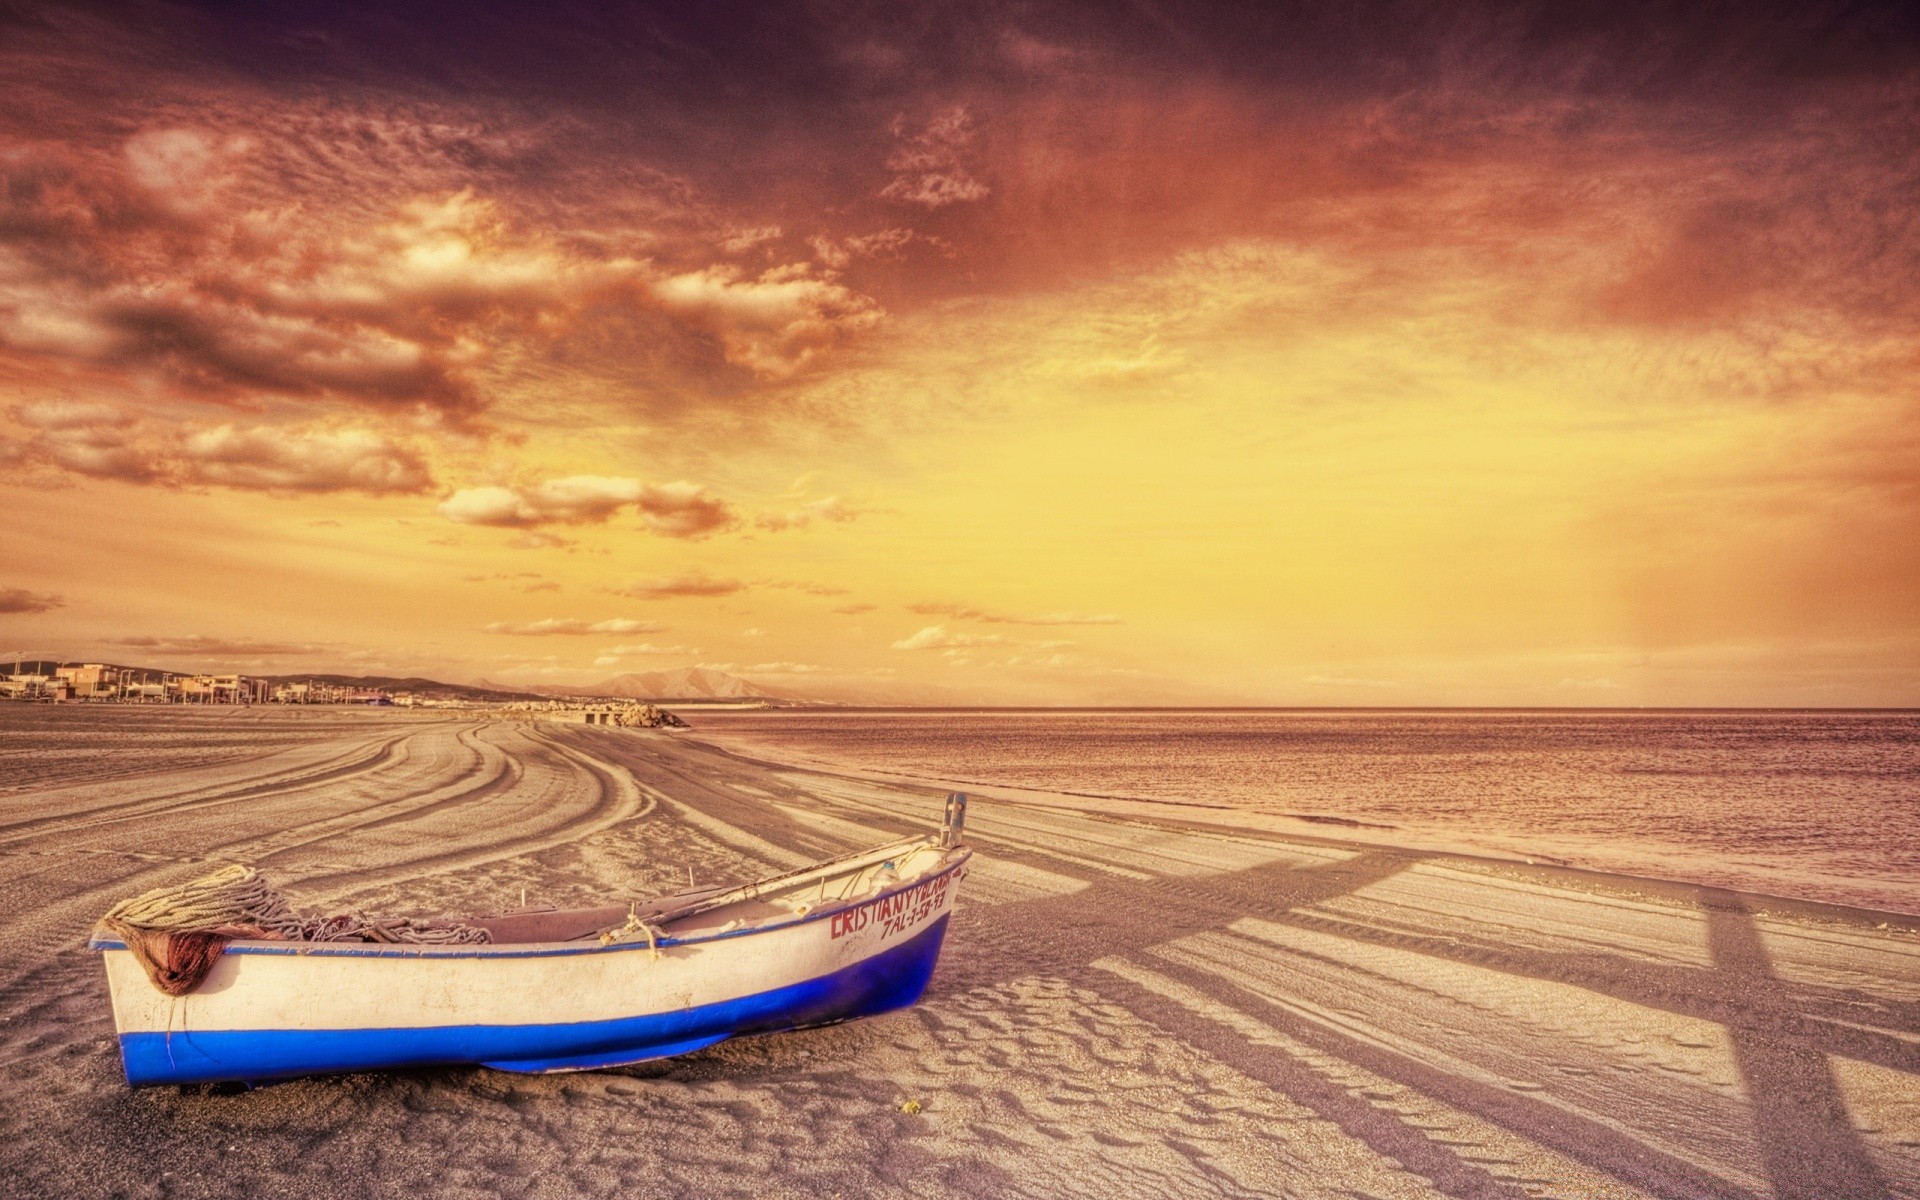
(557, 990)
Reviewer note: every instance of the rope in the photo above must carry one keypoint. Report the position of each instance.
(633, 926)
(179, 932)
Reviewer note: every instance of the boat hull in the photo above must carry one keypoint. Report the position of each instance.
(273, 1011)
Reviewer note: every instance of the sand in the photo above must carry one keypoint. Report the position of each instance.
(1130, 1004)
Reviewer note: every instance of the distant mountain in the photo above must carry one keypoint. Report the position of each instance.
(686, 683)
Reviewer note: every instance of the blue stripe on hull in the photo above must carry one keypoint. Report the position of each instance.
(892, 979)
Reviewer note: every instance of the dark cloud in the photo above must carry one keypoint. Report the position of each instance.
(683, 510)
(20, 600)
(689, 207)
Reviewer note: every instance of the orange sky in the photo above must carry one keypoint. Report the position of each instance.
(1500, 354)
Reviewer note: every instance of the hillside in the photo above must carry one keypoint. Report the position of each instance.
(686, 683)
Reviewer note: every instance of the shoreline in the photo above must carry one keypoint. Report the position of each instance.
(1302, 827)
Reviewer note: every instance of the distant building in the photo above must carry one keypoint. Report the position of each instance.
(315, 691)
(51, 681)
(91, 681)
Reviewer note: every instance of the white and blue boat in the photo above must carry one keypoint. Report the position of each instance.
(559, 990)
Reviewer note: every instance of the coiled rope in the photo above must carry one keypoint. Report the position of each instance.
(177, 933)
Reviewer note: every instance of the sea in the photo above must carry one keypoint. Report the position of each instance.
(1816, 805)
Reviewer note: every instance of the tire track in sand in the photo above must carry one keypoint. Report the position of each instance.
(354, 762)
(555, 778)
(53, 908)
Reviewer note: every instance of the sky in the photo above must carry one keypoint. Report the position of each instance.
(1156, 353)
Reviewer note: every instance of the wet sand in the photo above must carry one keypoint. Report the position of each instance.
(1130, 1003)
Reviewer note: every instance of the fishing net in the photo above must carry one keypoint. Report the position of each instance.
(178, 933)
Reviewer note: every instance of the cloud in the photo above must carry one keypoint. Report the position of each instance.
(765, 668)
(743, 240)
(570, 627)
(939, 637)
(803, 585)
(832, 508)
(237, 247)
(927, 165)
(643, 649)
(574, 500)
(20, 600)
(959, 647)
(121, 265)
(103, 442)
(216, 647)
(540, 539)
(773, 325)
(687, 583)
(854, 610)
(886, 244)
(678, 509)
(69, 414)
(962, 612)
(683, 510)
(270, 458)
(1037, 662)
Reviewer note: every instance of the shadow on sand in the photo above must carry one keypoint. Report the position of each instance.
(1778, 1031)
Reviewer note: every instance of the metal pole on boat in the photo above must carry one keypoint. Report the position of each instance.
(956, 824)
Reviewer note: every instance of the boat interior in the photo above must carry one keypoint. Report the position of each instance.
(841, 883)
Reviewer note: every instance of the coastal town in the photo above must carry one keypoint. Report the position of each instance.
(103, 682)
(49, 682)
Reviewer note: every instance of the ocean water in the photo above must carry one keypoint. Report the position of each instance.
(1813, 805)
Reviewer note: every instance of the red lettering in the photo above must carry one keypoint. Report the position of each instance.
(895, 913)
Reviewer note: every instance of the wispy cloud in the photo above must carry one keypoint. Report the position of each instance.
(962, 612)
(939, 637)
(928, 165)
(832, 508)
(766, 668)
(573, 627)
(810, 587)
(687, 583)
(218, 647)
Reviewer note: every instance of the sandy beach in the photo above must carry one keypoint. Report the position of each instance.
(1131, 1003)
